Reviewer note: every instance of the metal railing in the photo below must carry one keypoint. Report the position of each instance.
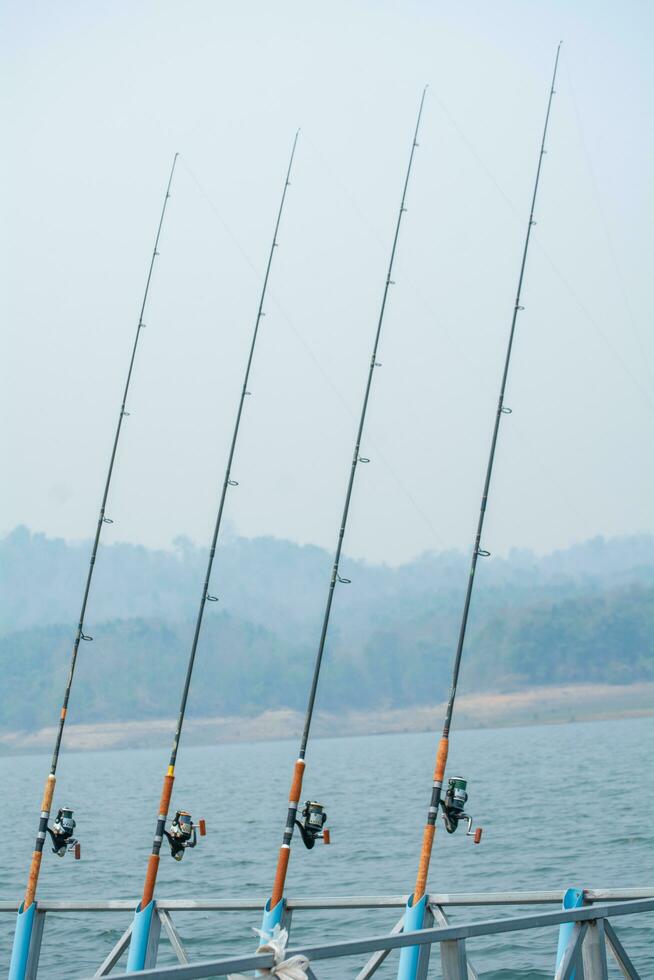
(592, 936)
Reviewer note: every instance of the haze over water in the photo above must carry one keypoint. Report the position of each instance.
(560, 806)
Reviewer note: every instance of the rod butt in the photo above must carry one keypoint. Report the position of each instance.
(150, 880)
(425, 858)
(280, 875)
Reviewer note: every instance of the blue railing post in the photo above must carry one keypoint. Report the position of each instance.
(27, 943)
(414, 960)
(277, 916)
(144, 942)
(573, 899)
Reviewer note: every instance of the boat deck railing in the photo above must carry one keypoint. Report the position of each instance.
(592, 934)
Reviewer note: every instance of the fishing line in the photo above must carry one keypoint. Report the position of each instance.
(523, 437)
(182, 831)
(406, 272)
(602, 213)
(313, 814)
(541, 248)
(453, 801)
(61, 834)
(348, 410)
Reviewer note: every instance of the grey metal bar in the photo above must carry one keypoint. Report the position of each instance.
(35, 945)
(552, 897)
(443, 920)
(453, 960)
(594, 952)
(470, 930)
(611, 894)
(208, 968)
(619, 953)
(153, 942)
(109, 963)
(355, 947)
(424, 954)
(378, 958)
(173, 936)
(572, 957)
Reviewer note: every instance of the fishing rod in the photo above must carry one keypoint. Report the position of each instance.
(182, 832)
(61, 833)
(314, 817)
(452, 803)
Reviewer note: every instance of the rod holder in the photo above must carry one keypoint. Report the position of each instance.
(144, 942)
(414, 960)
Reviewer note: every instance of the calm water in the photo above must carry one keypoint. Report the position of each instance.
(550, 800)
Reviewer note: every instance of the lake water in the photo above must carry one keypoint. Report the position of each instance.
(560, 806)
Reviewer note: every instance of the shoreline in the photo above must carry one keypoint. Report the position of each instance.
(552, 704)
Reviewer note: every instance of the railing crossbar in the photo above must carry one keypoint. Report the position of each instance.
(173, 936)
(443, 920)
(581, 916)
(553, 897)
(109, 963)
(378, 958)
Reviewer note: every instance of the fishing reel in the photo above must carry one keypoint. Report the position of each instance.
(312, 826)
(183, 833)
(61, 833)
(453, 807)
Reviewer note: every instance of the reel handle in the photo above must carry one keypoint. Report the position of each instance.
(326, 837)
(202, 827)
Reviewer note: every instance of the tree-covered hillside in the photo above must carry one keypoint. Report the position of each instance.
(584, 614)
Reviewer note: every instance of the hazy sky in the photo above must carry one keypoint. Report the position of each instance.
(97, 98)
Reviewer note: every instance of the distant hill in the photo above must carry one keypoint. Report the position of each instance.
(582, 614)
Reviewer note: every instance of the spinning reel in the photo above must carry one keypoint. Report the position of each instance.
(453, 805)
(183, 834)
(312, 824)
(61, 833)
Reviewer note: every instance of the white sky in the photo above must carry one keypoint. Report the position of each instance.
(97, 97)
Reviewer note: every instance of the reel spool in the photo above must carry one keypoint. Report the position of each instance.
(61, 833)
(183, 833)
(453, 807)
(312, 827)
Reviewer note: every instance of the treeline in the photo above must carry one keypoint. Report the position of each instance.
(272, 581)
(134, 668)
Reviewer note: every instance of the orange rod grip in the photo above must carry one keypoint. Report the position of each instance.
(441, 760)
(32, 879)
(166, 793)
(48, 793)
(153, 860)
(150, 880)
(280, 876)
(425, 857)
(296, 785)
(35, 865)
